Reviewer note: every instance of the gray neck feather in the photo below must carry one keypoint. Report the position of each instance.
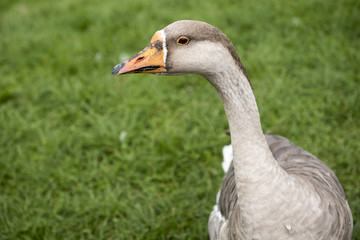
(254, 163)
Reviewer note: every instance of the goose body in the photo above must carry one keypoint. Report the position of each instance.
(273, 189)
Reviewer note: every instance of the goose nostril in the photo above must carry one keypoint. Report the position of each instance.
(139, 59)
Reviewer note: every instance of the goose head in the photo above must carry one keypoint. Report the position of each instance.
(185, 47)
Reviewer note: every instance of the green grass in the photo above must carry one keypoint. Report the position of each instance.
(64, 173)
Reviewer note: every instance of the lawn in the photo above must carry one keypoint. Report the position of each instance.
(88, 155)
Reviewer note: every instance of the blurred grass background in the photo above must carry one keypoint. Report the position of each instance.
(67, 170)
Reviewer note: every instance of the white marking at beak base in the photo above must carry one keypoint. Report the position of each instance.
(162, 34)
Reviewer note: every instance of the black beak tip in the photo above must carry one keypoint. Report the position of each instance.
(117, 68)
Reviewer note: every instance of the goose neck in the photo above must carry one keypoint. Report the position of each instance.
(253, 160)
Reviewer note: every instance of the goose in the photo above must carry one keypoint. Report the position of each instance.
(272, 188)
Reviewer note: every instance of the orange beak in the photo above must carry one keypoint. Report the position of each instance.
(149, 60)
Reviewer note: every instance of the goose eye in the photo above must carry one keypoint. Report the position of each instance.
(183, 41)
